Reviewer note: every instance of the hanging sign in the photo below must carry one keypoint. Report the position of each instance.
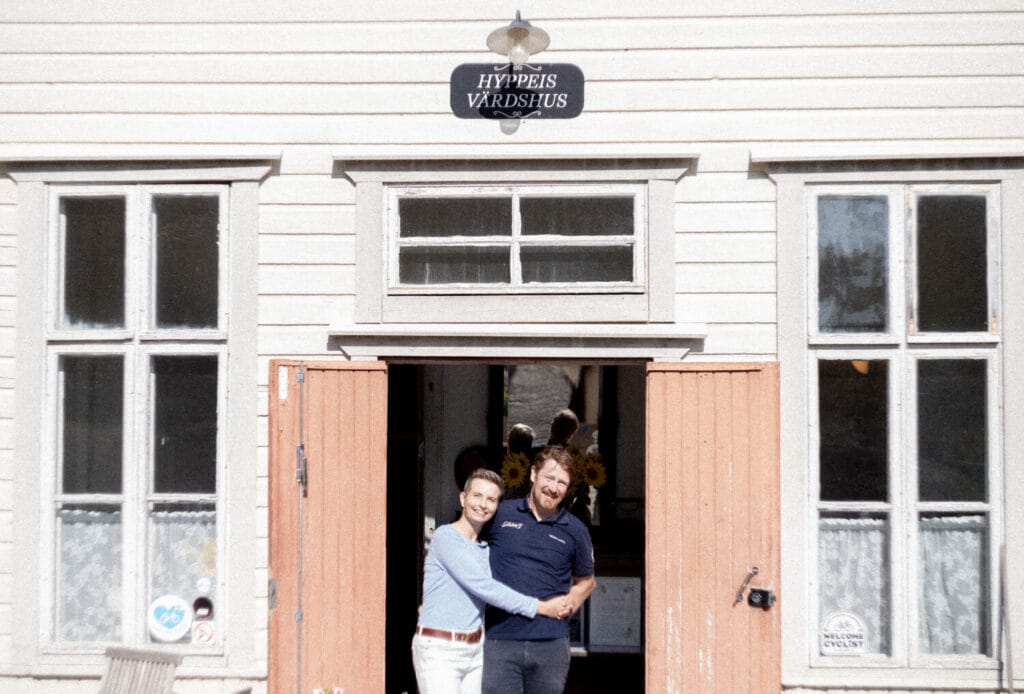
(542, 90)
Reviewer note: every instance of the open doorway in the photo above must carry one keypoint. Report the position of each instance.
(437, 411)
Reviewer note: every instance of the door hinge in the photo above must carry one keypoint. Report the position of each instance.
(272, 593)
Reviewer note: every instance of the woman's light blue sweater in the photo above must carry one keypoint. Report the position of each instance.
(457, 584)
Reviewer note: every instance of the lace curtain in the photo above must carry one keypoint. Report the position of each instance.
(183, 558)
(853, 561)
(953, 598)
(89, 592)
(853, 571)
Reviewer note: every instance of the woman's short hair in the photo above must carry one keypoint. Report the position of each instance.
(483, 473)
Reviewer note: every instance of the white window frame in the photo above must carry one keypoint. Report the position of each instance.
(992, 212)
(137, 343)
(903, 508)
(902, 353)
(241, 603)
(653, 302)
(139, 253)
(136, 488)
(515, 240)
(797, 261)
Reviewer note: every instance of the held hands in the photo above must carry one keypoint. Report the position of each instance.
(559, 607)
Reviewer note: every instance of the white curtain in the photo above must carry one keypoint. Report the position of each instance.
(182, 555)
(183, 551)
(853, 572)
(853, 561)
(953, 596)
(89, 583)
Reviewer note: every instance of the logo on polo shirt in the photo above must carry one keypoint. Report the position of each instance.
(511, 524)
(555, 537)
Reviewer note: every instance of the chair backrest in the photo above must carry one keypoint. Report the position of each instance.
(131, 671)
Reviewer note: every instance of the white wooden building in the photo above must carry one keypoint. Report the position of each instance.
(775, 258)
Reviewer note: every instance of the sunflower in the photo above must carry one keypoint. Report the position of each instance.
(513, 470)
(593, 471)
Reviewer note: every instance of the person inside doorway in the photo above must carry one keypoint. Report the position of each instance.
(520, 440)
(538, 548)
(457, 584)
(563, 427)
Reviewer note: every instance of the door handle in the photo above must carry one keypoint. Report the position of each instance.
(746, 582)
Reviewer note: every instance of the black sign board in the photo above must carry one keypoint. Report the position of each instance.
(543, 90)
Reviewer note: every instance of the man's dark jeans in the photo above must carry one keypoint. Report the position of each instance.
(525, 667)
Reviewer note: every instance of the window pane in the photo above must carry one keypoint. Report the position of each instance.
(577, 216)
(853, 414)
(185, 424)
(954, 594)
(952, 445)
(92, 424)
(455, 217)
(89, 573)
(853, 263)
(94, 262)
(952, 280)
(183, 551)
(187, 258)
(454, 264)
(854, 593)
(580, 264)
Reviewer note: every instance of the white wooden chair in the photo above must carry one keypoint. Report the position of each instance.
(132, 671)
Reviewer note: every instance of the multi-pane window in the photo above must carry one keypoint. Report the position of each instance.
(904, 348)
(136, 360)
(521, 237)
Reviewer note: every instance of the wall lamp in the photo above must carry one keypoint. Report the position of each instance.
(519, 40)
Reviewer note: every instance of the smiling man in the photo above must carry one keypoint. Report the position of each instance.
(540, 549)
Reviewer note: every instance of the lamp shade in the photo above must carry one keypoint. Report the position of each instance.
(519, 40)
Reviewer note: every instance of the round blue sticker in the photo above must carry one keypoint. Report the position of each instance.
(170, 618)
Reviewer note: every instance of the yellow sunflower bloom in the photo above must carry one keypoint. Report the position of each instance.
(594, 473)
(513, 470)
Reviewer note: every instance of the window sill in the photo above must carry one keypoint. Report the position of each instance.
(938, 676)
(507, 290)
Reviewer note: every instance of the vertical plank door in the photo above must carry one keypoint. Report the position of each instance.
(327, 545)
(712, 513)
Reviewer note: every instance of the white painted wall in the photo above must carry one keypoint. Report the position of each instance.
(309, 81)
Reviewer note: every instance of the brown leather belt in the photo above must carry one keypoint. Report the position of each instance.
(464, 637)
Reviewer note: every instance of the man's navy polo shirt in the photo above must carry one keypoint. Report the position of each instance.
(538, 558)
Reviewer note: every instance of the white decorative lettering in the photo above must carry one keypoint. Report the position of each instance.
(476, 99)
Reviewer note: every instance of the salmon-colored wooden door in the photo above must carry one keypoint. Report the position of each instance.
(712, 514)
(327, 544)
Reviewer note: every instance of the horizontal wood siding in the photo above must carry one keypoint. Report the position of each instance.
(688, 72)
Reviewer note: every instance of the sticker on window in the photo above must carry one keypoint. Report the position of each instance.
(170, 618)
(842, 633)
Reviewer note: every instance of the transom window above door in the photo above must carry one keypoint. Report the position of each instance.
(518, 238)
(510, 242)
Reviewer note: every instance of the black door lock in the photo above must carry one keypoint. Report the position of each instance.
(761, 597)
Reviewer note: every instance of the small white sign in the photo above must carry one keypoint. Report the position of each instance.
(170, 618)
(204, 633)
(843, 633)
(204, 585)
